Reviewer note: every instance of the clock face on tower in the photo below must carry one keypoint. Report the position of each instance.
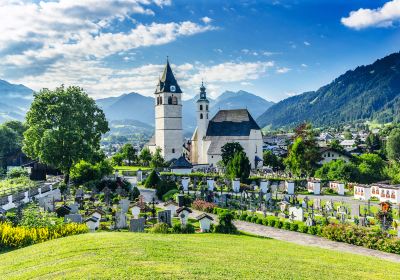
(172, 88)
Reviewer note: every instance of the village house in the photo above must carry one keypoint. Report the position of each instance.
(329, 154)
(362, 192)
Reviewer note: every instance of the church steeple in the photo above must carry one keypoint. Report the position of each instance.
(167, 82)
(203, 94)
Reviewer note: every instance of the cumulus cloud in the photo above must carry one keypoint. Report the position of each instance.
(206, 20)
(282, 70)
(385, 16)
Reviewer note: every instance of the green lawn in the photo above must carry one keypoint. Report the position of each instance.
(128, 255)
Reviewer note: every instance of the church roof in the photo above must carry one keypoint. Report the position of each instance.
(167, 80)
(181, 162)
(237, 122)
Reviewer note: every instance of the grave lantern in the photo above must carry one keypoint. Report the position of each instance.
(183, 214)
(205, 222)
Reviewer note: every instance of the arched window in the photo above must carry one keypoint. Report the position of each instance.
(174, 100)
(201, 116)
(207, 116)
(201, 107)
(160, 100)
(173, 151)
(169, 100)
(207, 107)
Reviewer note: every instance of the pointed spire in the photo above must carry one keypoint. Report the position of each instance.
(167, 81)
(203, 94)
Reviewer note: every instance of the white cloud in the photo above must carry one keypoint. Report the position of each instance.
(304, 65)
(385, 16)
(206, 20)
(307, 43)
(282, 70)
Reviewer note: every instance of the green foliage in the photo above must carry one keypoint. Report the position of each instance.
(371, 168)
(64, 126)
(393, 145)
(338, 171)
(188, 229)
(165, 186)
(160, 228)
(84, 171)
(34, 217)
(373, 142)
(134, 194)
(157, 160)
(145, 156)
(8, 143)
(269, 159)
(393, 171)
(117, 159)
(129, 153)
(229, 150)
(239, 166)
(16, 183)
(17, 172)
(152, 180)
(169, 194)
(225, 224)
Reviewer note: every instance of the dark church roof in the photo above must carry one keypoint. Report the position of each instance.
(167, 80)
(181, 162)
(237, 122)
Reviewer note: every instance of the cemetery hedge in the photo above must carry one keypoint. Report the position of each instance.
(12, 237)
(125, 255)
(361, 236)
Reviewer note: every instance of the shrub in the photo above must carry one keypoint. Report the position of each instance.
(265, 221)
(278, 224)
(243, 216)
(249, 218)
(225, 224)
(17, 172)
(219, 211)
(271, 221)
(160, 228)
(286, 225)
(169, 194)
(259, 221)
(313, 230)
(254, 219)
(303, 228)
(178, 228)
(294, 227)
(152, 181)
(163, 187)
(17, 237)
(204, 206)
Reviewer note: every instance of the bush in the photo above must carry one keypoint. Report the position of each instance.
(204, 206)
(294, 227)
(243, 216)
(303, 228)
(254, 219)
(17, 172)
(278, 224)
(188, 229)
(163, 187)
(219, 211)
(17, 237)
(313, 230)
(152, 181)
(169, 194)
(265, 222)
(134, 194)
(271, 221)
(286, 225)
(259, 221)
(249, 218)
(160, 228)
(225, 224)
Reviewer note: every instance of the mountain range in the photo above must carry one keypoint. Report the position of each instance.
(14, 101)
(370, 92)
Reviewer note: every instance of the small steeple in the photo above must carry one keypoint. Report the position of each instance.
(203, 94)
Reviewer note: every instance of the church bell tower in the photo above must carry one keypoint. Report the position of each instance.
(202, 123)
(168, 115)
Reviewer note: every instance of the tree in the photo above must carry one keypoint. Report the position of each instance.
(393, 171)
(8, 143)
(373, 142)
(145, 156)
(157, 160)
(64, 126)
(371, 168)
(129, 153)
(347, 135)
(229, 150)
(338, 171)
(152, 181)
(335, 145)
(239, 166)
(225, 224)
(84, 171)
(269, 159)
(117, 159)
(393, 145)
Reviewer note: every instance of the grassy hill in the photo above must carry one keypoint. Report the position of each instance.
(200, 256)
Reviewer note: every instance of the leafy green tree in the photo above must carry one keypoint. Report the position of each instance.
(338, 170)
(152, 181)
(229, 150)
(239, 166)
(371, 167)
(8, 143)
(117, 159)
(17, 172)
(225, 224)
(393, 171)
(335, 145)
(157, 160)
(373, 142)
(347, 135)
(64, 126)
(145, 156)
(393, 145)
(134, 194)
(269, 159)
(83, 172)
(129, 153)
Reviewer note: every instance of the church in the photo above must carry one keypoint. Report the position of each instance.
(210, 135)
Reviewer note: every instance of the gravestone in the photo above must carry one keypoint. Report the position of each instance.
(135, 211)
(317, 203)
(164, 217)
(74, 208)
(355, 210)
(124, 204)
(137, 225)
(310, 222)
(296, 214)
(79, 193)
(210, 184)
(120, 220)
(185, 183)
(73, 218)
(329, 205)
(236, 185)
(303, 204)
(119, 190)
(181, 200)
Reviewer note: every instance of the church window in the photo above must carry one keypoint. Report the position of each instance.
(173, 151)
(201, 107)
(169, 100)
(207, 116)
(174, 100)
(207, 107)
(160, 100)
(201, 116)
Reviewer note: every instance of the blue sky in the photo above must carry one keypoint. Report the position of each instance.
(274, 49)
